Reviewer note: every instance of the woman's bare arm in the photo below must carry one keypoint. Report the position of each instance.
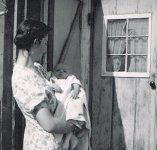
(53, 124)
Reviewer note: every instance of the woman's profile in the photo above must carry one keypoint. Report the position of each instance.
(29, 89)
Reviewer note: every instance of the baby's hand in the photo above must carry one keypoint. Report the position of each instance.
(74, 94)
(56, 88)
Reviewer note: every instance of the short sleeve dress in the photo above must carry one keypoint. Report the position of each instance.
(29, 92)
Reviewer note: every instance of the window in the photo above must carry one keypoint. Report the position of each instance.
(126, 45)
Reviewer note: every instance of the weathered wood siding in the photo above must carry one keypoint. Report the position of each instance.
(63, 16)
(6, 103)
(12, 123)
(85, 48)
(1, 66)
(123, 108)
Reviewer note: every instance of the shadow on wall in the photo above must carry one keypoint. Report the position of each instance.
(117, 128)
(107, 124)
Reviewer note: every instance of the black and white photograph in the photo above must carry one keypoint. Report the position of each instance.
(78, 75)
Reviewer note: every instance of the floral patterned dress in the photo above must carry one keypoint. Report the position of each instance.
(29, 92)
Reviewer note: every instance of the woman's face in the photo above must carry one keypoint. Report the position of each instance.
(40, 49)
(43, 45)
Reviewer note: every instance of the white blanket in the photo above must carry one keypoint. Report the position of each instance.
(75, 110)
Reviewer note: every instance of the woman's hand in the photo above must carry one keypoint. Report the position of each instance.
(56, 88)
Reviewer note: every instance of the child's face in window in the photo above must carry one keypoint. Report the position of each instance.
(61, 72)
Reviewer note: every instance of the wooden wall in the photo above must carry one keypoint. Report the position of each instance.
(6, 103)
(1, 66)
(11, 121)
(123, 115)
(63, 16)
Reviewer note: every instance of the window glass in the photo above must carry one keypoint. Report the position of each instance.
(116, 46)
(115, 63)
(138, 27)
(137, 64)
(138, 45)
(127, 44)
(117, 27)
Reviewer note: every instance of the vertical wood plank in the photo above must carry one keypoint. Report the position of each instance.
(7, 72)
(18, 119)
(44, 18)
(33, 9)
(127, 7)
(90, 85)
(51, 5)
(102, 97)
(123, 114)
(102, 113)
(1, 72)
(104, 116)
(154, 65)
(143, 116)
(145, 103)
(20, 10)
(85, 46)
(145, 6)
(109, 7)
(44, 11)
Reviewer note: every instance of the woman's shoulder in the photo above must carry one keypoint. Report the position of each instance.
(28, 89)
(23, 76)
(19, 74)
(20, 71)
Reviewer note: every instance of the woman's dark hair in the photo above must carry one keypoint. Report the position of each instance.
(28, 31)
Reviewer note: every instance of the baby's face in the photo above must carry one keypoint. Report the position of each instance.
(61, 72)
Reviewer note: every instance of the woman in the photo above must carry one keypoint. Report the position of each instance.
(29, 89)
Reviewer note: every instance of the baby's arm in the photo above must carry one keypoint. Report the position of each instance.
(75, 90)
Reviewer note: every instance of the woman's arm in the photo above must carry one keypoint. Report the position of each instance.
(52, 124)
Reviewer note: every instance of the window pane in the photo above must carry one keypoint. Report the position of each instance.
(137, 64)
(116, 27)
(116, 46)
(138, 27)
(115, 63)
(138, 45)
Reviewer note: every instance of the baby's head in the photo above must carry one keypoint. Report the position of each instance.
(62, 71)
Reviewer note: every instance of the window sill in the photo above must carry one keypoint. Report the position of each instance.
(124, 74)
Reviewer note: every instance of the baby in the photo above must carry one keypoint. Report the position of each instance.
(72, 96)
(70, 103)
(70, 88)
(67, 82)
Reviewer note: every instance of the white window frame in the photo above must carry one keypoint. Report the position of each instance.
(104, 46)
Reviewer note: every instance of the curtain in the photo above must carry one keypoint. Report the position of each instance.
(137, 44)
(135, 37)
(116, 45)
